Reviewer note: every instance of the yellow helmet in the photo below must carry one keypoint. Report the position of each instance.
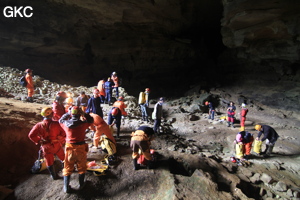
(242, 128)
(257, 127)
(46, 111)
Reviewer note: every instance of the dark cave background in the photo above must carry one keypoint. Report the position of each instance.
(168, 46)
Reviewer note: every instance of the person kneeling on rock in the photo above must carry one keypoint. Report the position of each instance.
(141, 140)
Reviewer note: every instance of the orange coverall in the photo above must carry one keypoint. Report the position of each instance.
(30, 85)
(76, 148)
(121, 105)
(101, 88)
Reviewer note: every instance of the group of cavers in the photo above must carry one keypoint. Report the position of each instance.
(244, 139)
(62, 131)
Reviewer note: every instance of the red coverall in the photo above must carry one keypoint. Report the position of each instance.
(53, 137)
(244, 112)
(58, 110)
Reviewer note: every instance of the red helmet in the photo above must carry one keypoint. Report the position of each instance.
(114, 111)
(121, 98)
(61, 94)
(206, 103)
(75, 110)
(28, 70)
(147, 89)
(96, 91)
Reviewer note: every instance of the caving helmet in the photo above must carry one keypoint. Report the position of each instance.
(47, 111)
(75, 110)
(206, 103)
(114, 73)
(257, 127)
(243, 105)
(96, 91)
(147, 89)
(121, 98)
(161, 99)
(61, 94)
(28, 70)
(114, 111)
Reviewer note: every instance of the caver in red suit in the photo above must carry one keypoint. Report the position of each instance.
(58, 105)
(51, 136)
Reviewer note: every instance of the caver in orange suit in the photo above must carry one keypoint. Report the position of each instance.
(30, 85)
(76, 148)
(121, 105)
(101, 128)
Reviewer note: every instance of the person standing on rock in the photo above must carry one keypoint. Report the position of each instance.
(58, 105)
(115, 79)
(144, 104)
(108, 90)
(30, 85)
(243, 114)
(230, 114)
(51, 136)
(94, 104)
(140, 141)
(75, 123)
(114, 118)
(101, 89)
(211, 110)
(270, 135)
(157, 114)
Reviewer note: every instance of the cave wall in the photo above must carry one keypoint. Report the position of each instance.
(150, 43)
(263, 38)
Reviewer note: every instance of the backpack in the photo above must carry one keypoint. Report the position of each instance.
(23, 81)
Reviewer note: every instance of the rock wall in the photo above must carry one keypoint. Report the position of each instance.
(80, 41)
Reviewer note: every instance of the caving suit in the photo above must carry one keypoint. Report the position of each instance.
(58, 110)
(246, 139)
(101, 128)
(116, 119)
(211, 112)
(52, 138)
(270, 135)
(115, 79)
(29, 86)
(76, 149)
(140, 140)
(121, 105)
(94, 106)
(230, 115)
(108, 90)
(244, 112)
(101, 89)
(157, 115)
(144, 104)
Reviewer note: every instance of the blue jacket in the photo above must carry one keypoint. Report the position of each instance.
(94, 106)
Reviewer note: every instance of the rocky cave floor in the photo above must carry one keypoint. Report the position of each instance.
(192, 165)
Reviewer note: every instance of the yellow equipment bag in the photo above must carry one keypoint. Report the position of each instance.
(142, 98)
(239, 151)
(39, 165)
(107, 144)
(257, 146)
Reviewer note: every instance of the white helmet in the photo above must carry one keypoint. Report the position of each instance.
(243, 105)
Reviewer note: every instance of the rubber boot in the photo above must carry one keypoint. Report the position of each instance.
(232, 125)
(135, 164)
(228, 124)
(52, 172)
(265, 151)
(269, 151)
(81, 181)
(67, 187)
(118, 133)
